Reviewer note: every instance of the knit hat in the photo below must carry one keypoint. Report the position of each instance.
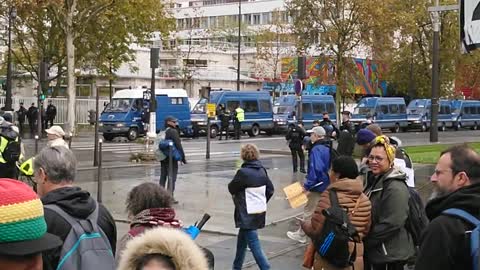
(23, 230)
(365, 136)
(319, 131)
(56, 130)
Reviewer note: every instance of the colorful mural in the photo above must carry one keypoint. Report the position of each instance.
(366, 78)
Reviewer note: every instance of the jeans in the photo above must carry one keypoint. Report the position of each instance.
(164, 172)
(250, 238)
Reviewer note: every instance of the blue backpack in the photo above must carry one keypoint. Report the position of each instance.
(475, 235)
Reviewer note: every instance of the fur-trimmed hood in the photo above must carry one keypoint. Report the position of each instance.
(174, 243)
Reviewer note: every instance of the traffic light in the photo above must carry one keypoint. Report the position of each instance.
(42, 97)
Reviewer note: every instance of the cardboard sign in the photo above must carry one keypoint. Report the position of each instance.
(296, 196)
(211, 109)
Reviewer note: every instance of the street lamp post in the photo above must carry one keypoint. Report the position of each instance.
(8, 95)
(239, 42)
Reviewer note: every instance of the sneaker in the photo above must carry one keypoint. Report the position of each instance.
(297, 237)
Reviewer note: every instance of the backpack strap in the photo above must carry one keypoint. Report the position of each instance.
(87, 224)
(475, 236)
(332, 193)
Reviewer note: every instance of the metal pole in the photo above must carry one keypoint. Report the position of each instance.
(110, 82)
(435, 75)
(36, 144)
(97, 101)
(153, 109)
(8, 94)
(239, 42)
(99, 172)
(70, 141)
(170, 167)
(209, 130)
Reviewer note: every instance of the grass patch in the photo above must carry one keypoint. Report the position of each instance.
(429, 154)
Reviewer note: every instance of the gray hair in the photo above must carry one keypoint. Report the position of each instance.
(58, 162)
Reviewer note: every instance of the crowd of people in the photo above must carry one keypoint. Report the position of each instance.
(358, 213)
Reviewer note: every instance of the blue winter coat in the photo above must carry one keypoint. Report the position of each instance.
(318, 166)
(250, 183)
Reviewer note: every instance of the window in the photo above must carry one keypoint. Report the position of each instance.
(466, 110)
(265, 106)
(232, 105)
(176, 101)
(393, 108)
(180, 24)
(382, 109)
(318, 108)
(256, 19)
(188, 23)
(403, 108)
(221, 21)
(307, 108)
(445, 110)
(196, 23)
(330, 107)
(212, 21)
(247, 19)
(266, 19)
(250, 106)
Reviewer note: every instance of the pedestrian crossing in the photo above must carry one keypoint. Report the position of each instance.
(129, 148)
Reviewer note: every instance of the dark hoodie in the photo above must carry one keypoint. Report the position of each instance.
(445, 245)
(77, 203)
(250, 176)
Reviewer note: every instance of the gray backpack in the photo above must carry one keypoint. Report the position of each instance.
(86, 245)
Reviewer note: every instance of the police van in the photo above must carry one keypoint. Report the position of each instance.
(313, 106)
(419, 115)
(126, 114)
(257, 106)
(388, 112)
(466, 114)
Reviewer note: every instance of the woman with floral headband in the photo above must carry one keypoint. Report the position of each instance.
(388, 245)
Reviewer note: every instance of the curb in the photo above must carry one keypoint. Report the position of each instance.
(118, 166)
(274, 152)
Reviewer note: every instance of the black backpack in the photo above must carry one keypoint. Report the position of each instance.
(11, 153)
(337, 232)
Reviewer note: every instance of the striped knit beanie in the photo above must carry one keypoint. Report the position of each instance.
(21, 212)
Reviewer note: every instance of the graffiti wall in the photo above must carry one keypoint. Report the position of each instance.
(363, 75)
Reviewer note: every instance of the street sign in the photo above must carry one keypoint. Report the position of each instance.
(147, 95)
(298, 86)
(211, 109)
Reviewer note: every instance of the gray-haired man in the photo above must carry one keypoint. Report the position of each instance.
(55, 170)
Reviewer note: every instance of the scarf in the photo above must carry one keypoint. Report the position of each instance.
(153, 217)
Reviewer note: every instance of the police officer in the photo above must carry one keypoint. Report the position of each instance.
(10, 150)
(224, 117)
(346, 140)
(295, 137)
(21, 114)
(239, 117)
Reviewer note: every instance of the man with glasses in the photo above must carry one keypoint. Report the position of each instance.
(456, 182)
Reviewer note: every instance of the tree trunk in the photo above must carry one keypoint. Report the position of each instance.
(71, 91)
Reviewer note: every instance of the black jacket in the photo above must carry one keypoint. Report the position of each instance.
(295, 137)
(445, 245)
(77, 203)
(32, 114)
(51, 111)
(252, 174)
(21, 114)
(172, 134)
(388, 240)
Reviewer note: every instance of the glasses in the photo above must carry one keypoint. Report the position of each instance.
(375, 158)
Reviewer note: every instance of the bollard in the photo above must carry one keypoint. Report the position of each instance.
(36, 144)
(70, 140)
(99, 172)
(170, 167)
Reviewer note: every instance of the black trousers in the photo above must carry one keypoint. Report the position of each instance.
(164, 173)
(20, 128)
(387, 266)
(49, 120)
(33, 127)
(297, 152)
(222, 129)
(238, 129)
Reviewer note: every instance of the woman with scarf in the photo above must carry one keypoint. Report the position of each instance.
(388, 245)
(149, 207)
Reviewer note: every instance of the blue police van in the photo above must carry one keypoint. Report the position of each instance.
(419, 115)
(126, 114)
(388, 112)
(257, 106)
(313, 107)
(466, 113)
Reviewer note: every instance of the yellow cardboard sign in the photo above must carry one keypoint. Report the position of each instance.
(295, 195)
(211, 109)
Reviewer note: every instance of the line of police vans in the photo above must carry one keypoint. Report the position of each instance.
(128, 111)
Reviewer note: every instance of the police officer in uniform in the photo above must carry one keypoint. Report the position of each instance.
(295, 137)
(224, 117)
(239, 117)
(10, 150)
(346, 138)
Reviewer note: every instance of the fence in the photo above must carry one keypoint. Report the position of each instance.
(82, 106)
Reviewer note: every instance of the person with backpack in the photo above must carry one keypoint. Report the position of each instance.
(21, 115)
(349, 194)
(172, 134)
(388, 245)
(295, 137)
(85, 226)
(251, 189)
(317, 179)
(23, 235)
(149, 206)
(451, 240)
